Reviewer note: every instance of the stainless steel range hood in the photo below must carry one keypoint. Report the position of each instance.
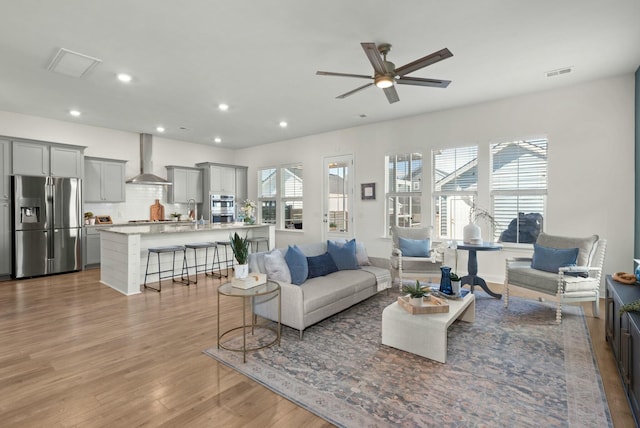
(146, 164)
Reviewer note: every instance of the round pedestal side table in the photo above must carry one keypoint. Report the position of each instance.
(270, 288)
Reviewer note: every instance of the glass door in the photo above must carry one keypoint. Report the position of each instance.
(338, 197)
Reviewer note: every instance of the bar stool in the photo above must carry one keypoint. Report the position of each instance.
(255, 243)
(195, 247)
(160, 250)
(227, 262)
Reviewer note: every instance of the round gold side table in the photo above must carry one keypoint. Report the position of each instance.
(248, 295)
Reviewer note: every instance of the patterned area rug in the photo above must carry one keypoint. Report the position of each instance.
(512, 367)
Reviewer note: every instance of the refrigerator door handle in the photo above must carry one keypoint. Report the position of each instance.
(51, 197)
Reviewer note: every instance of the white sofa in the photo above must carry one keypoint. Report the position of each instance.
(320, 297)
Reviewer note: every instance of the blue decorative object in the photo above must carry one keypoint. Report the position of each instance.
(637, 272)
(551, 259)
(445, 280)
(298, 265)
(415, 247)
(344, 256)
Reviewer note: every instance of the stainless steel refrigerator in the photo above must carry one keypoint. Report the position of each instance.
(47, 225)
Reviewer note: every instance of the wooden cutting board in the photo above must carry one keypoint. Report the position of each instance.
(156, 211)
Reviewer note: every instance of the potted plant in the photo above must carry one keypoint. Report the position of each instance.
(416, 293)
(240, 248)
(89, 218)
(176, 216)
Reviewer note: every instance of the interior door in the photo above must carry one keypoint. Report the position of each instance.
(338, 197)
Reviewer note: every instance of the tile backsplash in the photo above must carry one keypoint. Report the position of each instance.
(139, 198)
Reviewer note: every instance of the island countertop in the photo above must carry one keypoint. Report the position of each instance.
(124, 249)
(170, 227)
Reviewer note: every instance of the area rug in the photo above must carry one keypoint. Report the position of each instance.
(512, 367)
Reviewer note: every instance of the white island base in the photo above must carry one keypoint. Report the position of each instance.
(123, 250)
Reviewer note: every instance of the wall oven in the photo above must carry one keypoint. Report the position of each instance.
(222, 208)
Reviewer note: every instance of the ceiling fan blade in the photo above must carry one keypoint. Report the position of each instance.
(346, 94)
(419, 81)
(330, 73)
(423, 62)
(392, 94)
(371, 50)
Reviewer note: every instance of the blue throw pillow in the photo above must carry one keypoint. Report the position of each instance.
(551, 259)
(344, 256)
(298, 266)
(321, 265)
(415, 247)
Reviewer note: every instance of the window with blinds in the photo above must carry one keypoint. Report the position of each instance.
(455, 187)
(404, 190)
(280, 192)
(519, 189)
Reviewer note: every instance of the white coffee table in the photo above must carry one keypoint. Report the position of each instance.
(425, 334)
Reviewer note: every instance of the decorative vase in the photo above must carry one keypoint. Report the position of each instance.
(637, 272)
(241, 271)
(471, 234)
(455, 287)
(416, 301)
(92, 221)
(445, 280)
(249, 220)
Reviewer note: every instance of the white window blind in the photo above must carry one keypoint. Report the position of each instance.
(455, 185)
(519, 189)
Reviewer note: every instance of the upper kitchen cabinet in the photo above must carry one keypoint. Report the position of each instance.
(104, 180)
(219, 179)
(187, 184)
(5, 172)
(36, 158)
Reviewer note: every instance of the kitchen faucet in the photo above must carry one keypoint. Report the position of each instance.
(193, 215)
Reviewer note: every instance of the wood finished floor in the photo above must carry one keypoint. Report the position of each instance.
(75, 353)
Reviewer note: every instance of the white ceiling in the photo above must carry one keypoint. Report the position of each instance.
(260, 57)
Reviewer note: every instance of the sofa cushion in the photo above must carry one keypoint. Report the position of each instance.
(297, 263)
(276, 267)
(344, 256)
(325, 290)
(321, 265)
(585, 246)
(361, 251)
(552, 259)
(415, 247)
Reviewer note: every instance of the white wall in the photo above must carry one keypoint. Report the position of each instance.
(590, 128)
(114, 144)
(591, 150)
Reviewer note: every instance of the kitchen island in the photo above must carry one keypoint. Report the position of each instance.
(123, 250)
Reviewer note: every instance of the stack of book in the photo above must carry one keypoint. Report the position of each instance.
(253, 280)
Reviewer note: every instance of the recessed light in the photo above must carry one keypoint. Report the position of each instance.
(160, 129)
(123, 77)
(217, 140)
(74, 113)
(223, 107)
(283, 124)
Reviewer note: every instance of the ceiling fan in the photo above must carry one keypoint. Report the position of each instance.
(386, 73)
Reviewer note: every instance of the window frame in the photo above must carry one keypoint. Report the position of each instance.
(414, 195)
(279, 199)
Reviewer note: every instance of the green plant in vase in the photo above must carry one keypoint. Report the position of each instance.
(240, 248)
(416, 292)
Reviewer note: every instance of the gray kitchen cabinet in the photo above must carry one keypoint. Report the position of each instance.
(42, 159)
(104, 180)
(5, 172)
(91, 248)
(187, 184)
(218, 178)
(5, 238)
(30, 158)
(241, 186)
(66, 161)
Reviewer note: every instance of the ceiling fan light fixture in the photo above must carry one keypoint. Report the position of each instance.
(383, 81)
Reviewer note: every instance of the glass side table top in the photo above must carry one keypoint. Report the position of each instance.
(267, 288)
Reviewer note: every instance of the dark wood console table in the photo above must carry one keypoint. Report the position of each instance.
(623, 335)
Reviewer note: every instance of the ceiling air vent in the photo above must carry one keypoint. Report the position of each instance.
(72, 64)
(559, 71)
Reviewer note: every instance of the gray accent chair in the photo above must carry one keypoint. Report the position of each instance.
(405, 268)
(563, 286)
